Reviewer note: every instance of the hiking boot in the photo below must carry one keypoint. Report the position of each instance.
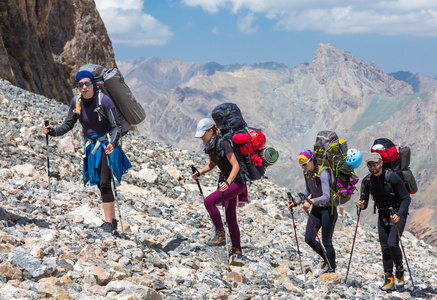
(114, 224)
(399, 277)
(236, 257)
(235, 251)
(322, 268)
(389, 284)
(219, 239)
(106, 227)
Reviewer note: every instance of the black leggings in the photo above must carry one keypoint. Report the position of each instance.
(105, 181)
(322, 217)
(389, 240)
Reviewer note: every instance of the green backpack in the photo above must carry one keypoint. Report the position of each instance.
(331, 154)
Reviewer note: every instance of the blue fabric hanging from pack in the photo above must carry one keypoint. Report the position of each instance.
(92, 162)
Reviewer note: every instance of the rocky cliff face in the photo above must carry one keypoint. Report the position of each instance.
(335, 91)
(43, 43)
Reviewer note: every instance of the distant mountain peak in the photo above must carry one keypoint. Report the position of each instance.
(339, 69)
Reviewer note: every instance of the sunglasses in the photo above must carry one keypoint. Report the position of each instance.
(303, 164)
(374, 165)
(87, 83)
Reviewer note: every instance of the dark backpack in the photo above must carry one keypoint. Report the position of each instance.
(229, 120)
(331, 153)
(111, 82)
(396, 159)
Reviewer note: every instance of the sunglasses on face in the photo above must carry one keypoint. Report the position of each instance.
(304, 164)
(87, 83)
(374, 165)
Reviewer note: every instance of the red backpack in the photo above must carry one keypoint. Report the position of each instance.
(396, 159)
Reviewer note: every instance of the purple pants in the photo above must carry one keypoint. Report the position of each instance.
(215, 198)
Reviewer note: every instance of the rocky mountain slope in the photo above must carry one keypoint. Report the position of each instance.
(335, 91)
(43, 44)
(162, 254)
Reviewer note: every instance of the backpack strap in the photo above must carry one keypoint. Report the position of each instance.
(99, 109)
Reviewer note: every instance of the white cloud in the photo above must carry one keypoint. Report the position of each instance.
(215, 30)
(386, 17)
(127, 24)
(245, 24)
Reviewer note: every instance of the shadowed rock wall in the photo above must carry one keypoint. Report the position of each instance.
(43, 43)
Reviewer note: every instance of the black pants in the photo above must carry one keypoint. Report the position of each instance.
(322, 217)
(389, 240)
(105, 181)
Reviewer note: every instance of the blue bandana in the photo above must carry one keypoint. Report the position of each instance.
(84, 74)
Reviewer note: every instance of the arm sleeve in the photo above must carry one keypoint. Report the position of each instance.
(365, 190)
(401, 191)
(116, 127)
(68, 124)
(326, 190)
(112, 115)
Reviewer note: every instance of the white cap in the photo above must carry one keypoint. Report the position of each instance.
(203, 126)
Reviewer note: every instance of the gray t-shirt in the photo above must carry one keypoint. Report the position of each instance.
(321, 194)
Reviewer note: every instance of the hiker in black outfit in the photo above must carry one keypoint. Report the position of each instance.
(387, 193)
(318, 186)
(101, 135)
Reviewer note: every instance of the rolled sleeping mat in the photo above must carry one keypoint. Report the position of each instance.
(270, 156)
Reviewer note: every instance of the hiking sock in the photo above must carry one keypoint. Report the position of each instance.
(389, 283)
(399, 276)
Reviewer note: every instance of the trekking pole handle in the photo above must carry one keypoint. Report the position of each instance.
(223, 179)
(304, 198)
(290, 197)
(194, 170)
(392, 211)
(47, 123)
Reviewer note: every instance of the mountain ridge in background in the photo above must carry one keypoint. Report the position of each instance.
(335, 91)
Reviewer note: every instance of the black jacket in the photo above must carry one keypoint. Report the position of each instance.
(386, 192)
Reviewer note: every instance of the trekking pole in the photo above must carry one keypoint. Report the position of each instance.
(290, 197)
(225, 223)
(392, 212)
(46, 123)
(108, 158)
(353, 243)
(304, 198)
(193, 168)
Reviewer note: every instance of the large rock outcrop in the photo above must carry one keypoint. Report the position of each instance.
(43, 43)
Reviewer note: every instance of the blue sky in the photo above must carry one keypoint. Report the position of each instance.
(395, 34)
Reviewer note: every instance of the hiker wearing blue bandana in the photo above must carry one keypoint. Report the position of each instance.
(101, 133)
